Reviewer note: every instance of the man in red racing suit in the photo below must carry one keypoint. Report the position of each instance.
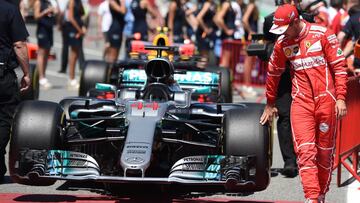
(318, 90)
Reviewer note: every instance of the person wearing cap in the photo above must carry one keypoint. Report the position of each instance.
(283, 99)
(319, 77)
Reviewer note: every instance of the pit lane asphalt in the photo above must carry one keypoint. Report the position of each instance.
(280, 188)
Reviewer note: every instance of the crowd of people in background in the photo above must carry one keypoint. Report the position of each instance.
(206, 23)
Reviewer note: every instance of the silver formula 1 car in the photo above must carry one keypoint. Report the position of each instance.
(149, 136)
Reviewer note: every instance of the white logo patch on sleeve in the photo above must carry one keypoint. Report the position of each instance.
(339, 52)
(323, 127)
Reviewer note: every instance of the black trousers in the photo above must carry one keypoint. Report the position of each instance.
(283, 104)
(9, 99)
(64, 50)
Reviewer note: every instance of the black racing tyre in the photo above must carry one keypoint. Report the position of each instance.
(225, 83)
(244, 135)
(33, 92)
(93, 72)
(37, 126)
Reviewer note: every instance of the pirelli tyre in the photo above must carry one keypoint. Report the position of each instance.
(244, 135)
(37, 128)
(94, 72)
(225, 83)
(33, 92)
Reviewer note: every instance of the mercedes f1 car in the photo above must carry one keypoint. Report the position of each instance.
(150, 136)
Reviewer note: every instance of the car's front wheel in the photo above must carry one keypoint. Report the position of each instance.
(37, 127)
(243, 135)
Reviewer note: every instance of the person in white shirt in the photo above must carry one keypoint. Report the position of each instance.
(104, 23)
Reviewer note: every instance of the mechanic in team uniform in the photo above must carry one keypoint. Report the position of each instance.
(13, 52)
(283, 100)
(117, 10)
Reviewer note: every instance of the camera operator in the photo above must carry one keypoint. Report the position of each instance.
(284, 98)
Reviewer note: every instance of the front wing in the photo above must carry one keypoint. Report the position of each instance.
(234, 172)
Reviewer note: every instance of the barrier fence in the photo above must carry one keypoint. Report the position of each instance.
(238, 54)
(348, 139)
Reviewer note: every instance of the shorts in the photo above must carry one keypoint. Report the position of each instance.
(45, 37)
(115, 35)
(71, 33)
(206, 43)
(114, 38)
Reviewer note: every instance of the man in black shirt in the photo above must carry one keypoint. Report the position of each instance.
(283, 100)
(13, 52)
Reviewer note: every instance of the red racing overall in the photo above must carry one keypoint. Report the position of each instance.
(319, 77)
